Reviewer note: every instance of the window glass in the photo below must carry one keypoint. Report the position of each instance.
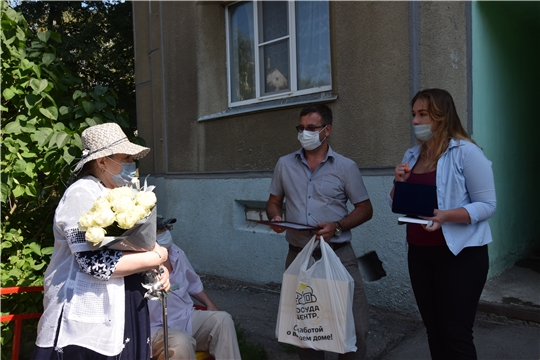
(312, 44)
(275, 20)
(276, 66)
(242, 58)
(277, 49)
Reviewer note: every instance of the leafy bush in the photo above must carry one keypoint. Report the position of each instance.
(44, 107)
(98, 44)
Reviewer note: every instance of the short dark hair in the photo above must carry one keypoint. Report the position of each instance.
(321, 109)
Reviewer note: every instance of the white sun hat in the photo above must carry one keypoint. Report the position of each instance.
(105, 140)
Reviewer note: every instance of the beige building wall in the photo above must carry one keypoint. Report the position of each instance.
(444, 50)
(181, 76)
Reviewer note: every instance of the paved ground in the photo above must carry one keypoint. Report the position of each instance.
(392, 336)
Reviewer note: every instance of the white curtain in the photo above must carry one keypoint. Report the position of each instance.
(312, 44)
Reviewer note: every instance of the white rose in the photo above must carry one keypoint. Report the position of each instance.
(139, 212)
(146, 198)
(104, 218)
(86, 221)
(119, 192)
(100, 204)
(95, 235)
(126, 220)
(122, 204)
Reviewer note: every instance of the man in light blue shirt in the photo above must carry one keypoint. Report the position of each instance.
(317, 183)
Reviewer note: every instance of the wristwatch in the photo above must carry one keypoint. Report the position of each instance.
(338, 229)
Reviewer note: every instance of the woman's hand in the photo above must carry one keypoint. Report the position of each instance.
(437, 220)
(133, 262)
(162, 252)
(459, 215)
(402, 172)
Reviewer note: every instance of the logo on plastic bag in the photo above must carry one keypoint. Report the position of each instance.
(304, 295)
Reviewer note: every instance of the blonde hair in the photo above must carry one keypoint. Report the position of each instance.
(442, 111)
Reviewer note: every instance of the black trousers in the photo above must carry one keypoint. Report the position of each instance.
(447, 289)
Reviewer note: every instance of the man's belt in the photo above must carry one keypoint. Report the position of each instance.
(334, 246)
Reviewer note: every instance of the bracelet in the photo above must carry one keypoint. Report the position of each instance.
(158, 254)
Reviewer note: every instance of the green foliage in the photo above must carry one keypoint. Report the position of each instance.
(44, 108)
(28, 332)
(248, 350)
(99, 44)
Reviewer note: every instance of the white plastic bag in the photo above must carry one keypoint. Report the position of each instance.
(315, 306)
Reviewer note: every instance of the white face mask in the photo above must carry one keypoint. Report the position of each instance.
(165, 239)
(423, 132)
(310, 139)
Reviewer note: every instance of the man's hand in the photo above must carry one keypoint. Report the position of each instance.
(277, 229)
(327, 230)
(156, 283)
(274, 206)
(163, 276)
(212, 307)
(205, 299)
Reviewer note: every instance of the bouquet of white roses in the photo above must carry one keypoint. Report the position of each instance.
(126, 215)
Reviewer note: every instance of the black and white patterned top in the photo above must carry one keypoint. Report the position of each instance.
(100, 264)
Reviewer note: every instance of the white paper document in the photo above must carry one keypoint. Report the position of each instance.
(405, 219)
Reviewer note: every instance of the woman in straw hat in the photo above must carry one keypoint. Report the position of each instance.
(94, 306)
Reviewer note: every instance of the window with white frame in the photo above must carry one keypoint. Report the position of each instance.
(277, 49)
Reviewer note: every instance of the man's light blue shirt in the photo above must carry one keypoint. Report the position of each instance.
(319, 196)
(464, 179)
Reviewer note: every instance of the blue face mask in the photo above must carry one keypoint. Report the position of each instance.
(126, 174)
(165, 239)
(423, 132)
